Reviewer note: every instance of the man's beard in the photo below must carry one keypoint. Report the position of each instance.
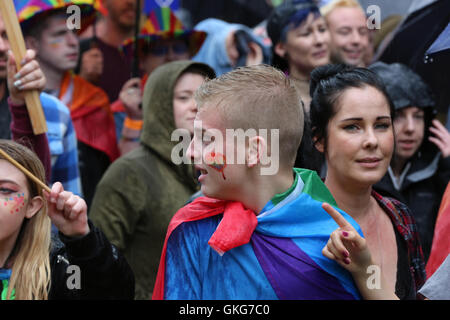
(125, 27)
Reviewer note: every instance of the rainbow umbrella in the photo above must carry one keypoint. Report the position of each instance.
(161, 23)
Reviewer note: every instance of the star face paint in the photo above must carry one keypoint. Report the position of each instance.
(217, 161)
(15, 202)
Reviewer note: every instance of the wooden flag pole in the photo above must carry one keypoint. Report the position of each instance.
(15, 37)
(25, 171)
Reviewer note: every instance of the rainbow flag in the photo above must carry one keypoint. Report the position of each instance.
(281, 259)
(150, 5)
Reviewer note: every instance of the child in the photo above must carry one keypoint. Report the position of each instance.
(265, 228)
(139, 193)
(33, 266)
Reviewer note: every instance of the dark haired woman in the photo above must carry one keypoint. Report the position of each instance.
(300, 39)
(351, 116)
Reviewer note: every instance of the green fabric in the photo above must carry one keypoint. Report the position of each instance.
(4, 294)
(142, 190)
(281, 196)
(315, 187)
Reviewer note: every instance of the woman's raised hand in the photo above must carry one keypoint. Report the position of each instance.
(345, 245)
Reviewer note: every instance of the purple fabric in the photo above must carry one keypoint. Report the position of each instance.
(292, 273)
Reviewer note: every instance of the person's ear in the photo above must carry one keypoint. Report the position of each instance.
(280, 49)
(319, 144)
(257, 145)
(34, 205)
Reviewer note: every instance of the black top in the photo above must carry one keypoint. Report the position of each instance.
(116, 67)
(89, 267)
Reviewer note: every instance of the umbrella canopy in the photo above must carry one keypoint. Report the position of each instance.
(418, 31)
(442, 43)
(161, 23)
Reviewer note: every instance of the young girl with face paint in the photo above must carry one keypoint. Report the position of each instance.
(32, 265)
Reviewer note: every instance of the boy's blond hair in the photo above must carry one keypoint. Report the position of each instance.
(257, 97)
(329, 7)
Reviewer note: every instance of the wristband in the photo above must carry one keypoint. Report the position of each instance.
(133, 124)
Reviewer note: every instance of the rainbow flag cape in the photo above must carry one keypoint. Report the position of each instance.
(279, 257)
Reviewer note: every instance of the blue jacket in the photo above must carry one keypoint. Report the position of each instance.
(213, 51)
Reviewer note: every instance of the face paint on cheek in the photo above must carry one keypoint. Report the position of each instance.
(217, 161)
(16, 202)
(55, 43)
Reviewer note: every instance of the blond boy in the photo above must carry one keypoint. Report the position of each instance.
(255, 235)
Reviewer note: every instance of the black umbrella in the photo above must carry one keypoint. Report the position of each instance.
(442, 43)
(409, 45)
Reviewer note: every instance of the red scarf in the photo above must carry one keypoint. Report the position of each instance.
(235, 229)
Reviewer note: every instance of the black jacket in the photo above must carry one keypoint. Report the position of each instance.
(88, 268)
(104, 272)
(421, 191)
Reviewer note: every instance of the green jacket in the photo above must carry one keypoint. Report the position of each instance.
(142, 190)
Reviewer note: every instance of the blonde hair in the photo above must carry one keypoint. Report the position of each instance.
(257, 97)
(30, 276)
(326, 9)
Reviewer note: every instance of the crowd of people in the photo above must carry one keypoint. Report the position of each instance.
(363, 163)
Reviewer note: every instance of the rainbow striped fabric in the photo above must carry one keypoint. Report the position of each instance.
(28, 10)
(282, 260)
(162, 23)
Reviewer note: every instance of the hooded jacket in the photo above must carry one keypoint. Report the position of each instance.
(142, 190)
(429, 173)
(214, 52)
(422, 191)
